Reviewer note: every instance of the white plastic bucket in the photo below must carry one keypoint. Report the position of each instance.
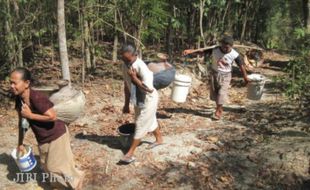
(27, 162)
(255, 87)
(181, 87)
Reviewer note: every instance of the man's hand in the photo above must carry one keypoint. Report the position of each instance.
(246, 80)
(137, 81)
(187, 52)
(132, 73)
(26, 111)
(20, 148)
(244, 73)
(126, 109)
(147, 89)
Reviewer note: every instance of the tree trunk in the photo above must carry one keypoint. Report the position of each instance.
(308, 16)
(245, 20)
(115, 44)
(168, 38)
(122, 25)
(92, 46)
(20, 53)
(19, 38)
(168, 45)
(306, 10)
(198, 47)
(62, 40)
(189, 28)
(201, 8)
(86, 44)
(9, 36)
(138, 36)
(225, 13)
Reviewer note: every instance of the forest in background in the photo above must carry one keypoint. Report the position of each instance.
(257, 145)
(94, 29)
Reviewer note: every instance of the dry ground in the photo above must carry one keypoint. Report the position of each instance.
(258, 145)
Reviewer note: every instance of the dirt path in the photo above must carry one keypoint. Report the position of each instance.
(258, 145)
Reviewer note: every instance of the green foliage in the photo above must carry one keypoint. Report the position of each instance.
(29, 23)
(298, 69)
(280, 19)
(147, 16)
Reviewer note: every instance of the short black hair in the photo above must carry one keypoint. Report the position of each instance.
(227, 40)
(130, 48)
(26, 75)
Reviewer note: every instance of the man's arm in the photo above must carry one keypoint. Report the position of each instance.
(200, 51)
(135, 79)
(47, 116)
(193, 52)
(21, 131)
(240, 63)
(127, 98)
(140, 84)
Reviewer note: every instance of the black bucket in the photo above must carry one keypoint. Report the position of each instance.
(126, 133)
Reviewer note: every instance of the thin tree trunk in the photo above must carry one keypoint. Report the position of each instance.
(306, 10)
(122, 25)
(52, 44)
(245, 20)
(225, 13)
(62, 40)
(9, 37)
(308, 16)
(115, 44)
(19, 38)
(189, 30)
(86, 44)
(92, 46)
(20, 53)
(168, 38)
(83, 63)
(81, 24)
(198, 47)
(138, 36)
(202, 6)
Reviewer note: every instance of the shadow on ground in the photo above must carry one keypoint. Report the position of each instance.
(277, 65)
(198, 112)
(112, 142)
(283, 119)
(226, 171)
(229, 168)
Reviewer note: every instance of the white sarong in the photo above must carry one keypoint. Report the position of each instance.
(145, 118)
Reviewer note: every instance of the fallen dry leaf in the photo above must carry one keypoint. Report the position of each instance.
(212, 139)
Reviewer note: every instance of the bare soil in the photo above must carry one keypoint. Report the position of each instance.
(258, 145)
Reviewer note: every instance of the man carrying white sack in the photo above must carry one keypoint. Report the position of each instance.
(139, 89)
